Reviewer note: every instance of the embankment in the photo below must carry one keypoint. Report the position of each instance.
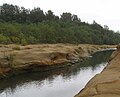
(16, 59)
(107, 83)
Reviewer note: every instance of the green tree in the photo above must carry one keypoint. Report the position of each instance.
(37, 15)
(66, 17)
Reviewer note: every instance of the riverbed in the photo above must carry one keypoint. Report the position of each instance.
(61, 82)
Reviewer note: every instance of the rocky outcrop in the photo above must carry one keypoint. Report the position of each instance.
(15, 59)
(107, 83)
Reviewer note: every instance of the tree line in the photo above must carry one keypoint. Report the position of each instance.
(24, 26)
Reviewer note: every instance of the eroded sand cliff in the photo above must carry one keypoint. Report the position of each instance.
(15, 59)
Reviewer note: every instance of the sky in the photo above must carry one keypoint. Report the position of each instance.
(104, 12)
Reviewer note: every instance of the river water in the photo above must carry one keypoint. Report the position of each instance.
(62, 82)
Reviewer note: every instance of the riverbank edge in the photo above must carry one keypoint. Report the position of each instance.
(107, 83)
(42, 66)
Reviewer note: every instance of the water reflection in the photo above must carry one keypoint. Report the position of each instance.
(62, 82)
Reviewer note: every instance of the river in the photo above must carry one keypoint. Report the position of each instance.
(61, 82)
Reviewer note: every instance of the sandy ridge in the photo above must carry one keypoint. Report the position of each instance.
(15, 58)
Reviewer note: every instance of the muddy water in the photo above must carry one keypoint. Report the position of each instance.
(62, 82)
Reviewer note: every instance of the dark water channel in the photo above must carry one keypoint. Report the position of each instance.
(62, 82)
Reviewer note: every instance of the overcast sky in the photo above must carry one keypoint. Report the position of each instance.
(104, 12)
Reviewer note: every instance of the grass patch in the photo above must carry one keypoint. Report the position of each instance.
(17, 47)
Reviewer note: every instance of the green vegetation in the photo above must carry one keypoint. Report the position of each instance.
(25, 26)
(16, 47)
(9, 58)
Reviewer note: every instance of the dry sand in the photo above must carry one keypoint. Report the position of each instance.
(14, 58)
(107, 83)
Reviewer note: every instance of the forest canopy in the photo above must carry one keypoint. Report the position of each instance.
(19, 25)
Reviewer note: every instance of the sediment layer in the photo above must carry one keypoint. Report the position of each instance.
(16, 59)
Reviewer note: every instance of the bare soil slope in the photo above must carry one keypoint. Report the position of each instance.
(14, 58)
(107, 83)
